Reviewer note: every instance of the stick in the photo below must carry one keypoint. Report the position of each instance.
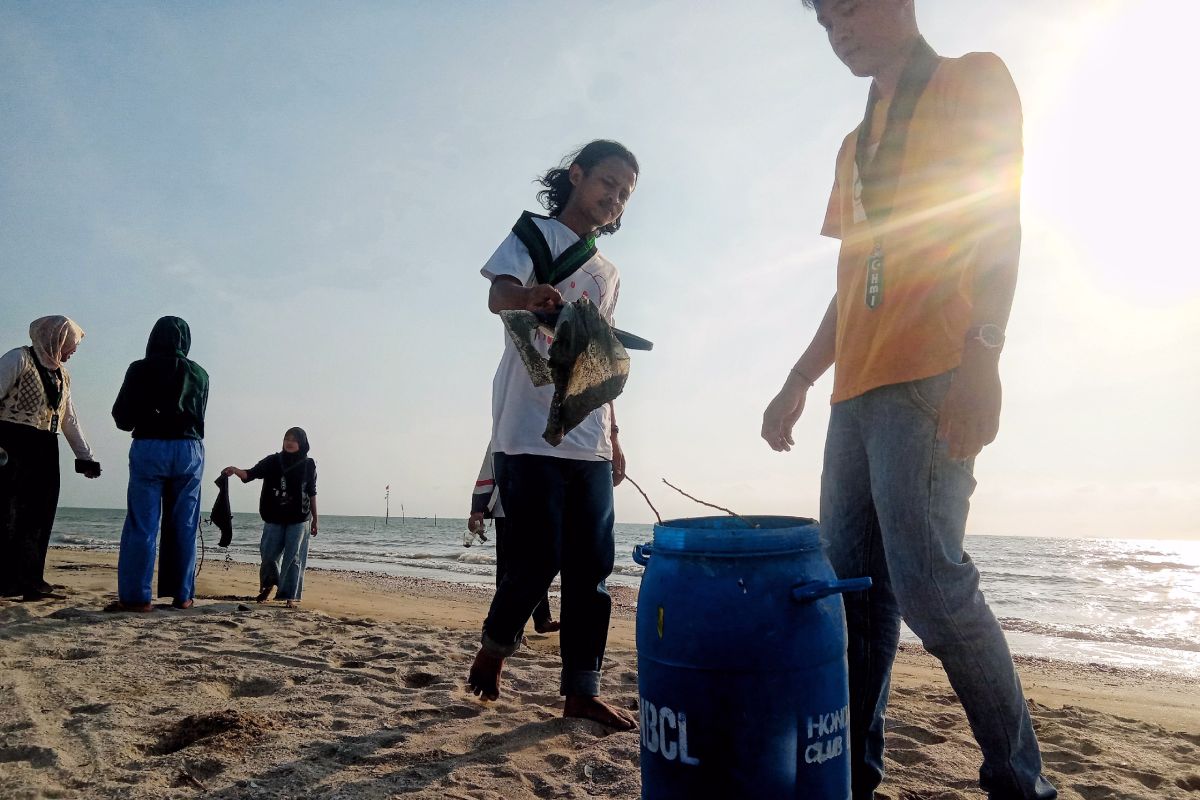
(652, 508)
(710, 505)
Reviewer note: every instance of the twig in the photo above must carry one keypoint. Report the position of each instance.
(200, 531)
(652, 508)
(711, 505)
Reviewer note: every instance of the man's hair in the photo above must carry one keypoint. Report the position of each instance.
(558, 180)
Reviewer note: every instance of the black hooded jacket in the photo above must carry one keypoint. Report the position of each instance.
(164, 394)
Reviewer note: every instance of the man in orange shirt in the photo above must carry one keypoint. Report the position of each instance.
(926, 203)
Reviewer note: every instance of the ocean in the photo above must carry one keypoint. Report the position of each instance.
(1116, 602)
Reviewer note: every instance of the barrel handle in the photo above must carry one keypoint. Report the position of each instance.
(815, 590)
(641, 553)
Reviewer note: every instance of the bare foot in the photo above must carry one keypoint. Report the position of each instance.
(183, 604)
(593, 708)
(291, 604)
(484, 678)
(549, 626)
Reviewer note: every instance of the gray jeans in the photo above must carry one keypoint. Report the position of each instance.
(894, 507)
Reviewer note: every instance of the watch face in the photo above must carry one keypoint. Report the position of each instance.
(990, 335)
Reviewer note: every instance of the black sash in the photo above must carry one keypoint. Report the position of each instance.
(881, 174)
(52, 382)
(546, 268)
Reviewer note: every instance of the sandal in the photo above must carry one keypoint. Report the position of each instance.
(263, 595)
(117, 607)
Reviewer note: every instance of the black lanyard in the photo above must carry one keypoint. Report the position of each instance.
(880, 175)
(547, 269)
(52, 382)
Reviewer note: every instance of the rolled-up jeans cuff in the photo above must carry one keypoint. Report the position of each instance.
(580, 683)
(492, 647)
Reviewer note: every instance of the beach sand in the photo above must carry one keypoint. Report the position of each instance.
(360, 694)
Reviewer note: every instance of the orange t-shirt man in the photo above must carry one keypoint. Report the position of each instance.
(959, 183)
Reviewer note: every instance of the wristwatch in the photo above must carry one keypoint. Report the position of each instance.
(989, 335)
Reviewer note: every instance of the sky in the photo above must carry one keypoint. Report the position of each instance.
(315, 186)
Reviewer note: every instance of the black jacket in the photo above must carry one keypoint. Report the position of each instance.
(164, 394)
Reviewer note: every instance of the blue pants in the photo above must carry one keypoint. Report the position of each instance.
(164, 486)
(559, 517)
(894, 507)
(284, 552)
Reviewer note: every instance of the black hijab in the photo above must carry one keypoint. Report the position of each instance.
(292, 459)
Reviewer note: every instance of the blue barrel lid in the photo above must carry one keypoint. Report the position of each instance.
(736, 535)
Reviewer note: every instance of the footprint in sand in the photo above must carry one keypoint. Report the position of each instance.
(1189, 783)
(255, 687)
(419, 680)
(38, 757)
(919, 735)
(90, 708)
(907, 756)
(78, 654)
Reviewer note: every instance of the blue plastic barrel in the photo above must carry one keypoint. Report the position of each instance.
(741, 640)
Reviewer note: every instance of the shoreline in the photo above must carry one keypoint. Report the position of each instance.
(360, 693)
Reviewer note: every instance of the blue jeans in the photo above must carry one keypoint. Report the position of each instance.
(894, 507)
(284, 552)
(558, 519)
(164, 486)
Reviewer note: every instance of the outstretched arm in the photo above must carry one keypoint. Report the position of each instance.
(241, 473)
(787, 406)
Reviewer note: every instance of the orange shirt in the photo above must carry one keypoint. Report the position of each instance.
(959, 180)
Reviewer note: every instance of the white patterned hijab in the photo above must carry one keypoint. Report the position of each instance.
(50, 335)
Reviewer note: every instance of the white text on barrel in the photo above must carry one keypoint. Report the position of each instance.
(665, 732)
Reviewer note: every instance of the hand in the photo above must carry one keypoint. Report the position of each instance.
(313, 530)
(969, 417)
(475, 522)
(542, 297)
(228, 471)
(88, 468)
(618, 461)
(782, 413)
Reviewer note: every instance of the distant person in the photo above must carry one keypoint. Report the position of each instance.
(926, 204)
(162, 403)
(287, 503)
(558, 501)
(485, 504)
(35, 403)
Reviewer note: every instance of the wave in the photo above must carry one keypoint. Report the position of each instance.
(80, 541)
(1144, 566)
(1111, 635)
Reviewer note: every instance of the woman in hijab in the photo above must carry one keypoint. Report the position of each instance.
(35, 403)
(162, 402)
(287, 501)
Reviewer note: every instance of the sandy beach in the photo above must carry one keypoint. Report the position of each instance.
(360, 694)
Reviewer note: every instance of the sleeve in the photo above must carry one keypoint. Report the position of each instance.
(12, 364)
(74, 434)
(485, 485)
(310, 486)
(261, 469)
(126, 411)
(987, 118)
(832, 226)
(511, 258)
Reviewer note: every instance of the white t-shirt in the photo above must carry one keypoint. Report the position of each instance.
(519, 409)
